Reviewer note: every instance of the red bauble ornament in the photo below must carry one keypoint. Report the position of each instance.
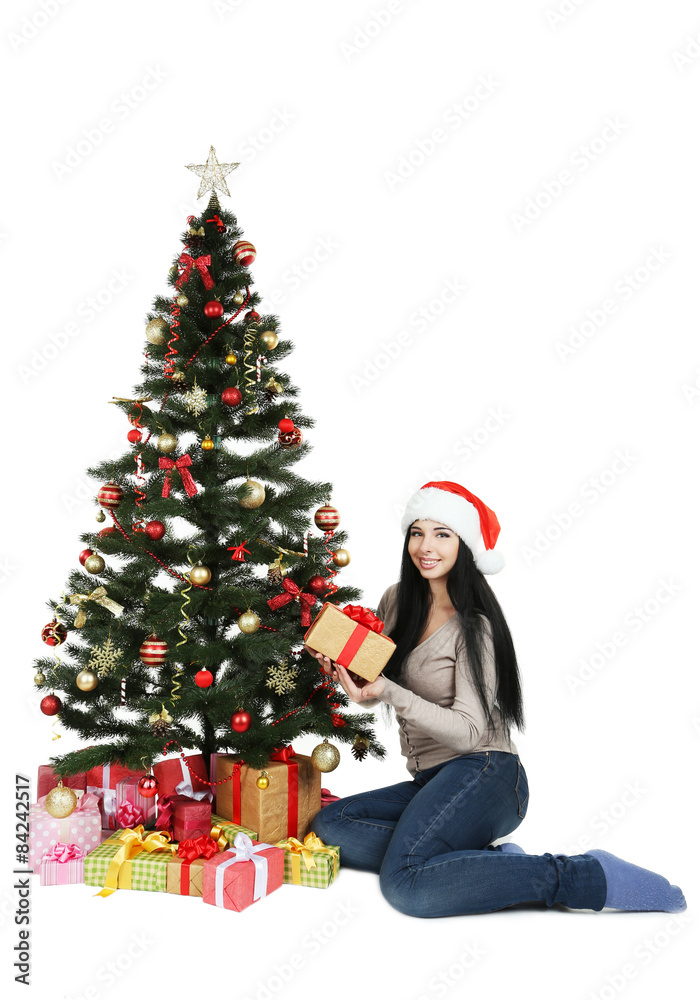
(203, 678)
(110, 496)
(327, 518)
(106, 532)
(317, 585)
(286, 425)
(134, 437)
(290, 439)
(231, 396)
(153, 651)
(252, 316)
(148, 786)
(54, 633)
(243, 253)
(50, 705)
(155, 530)
(213, 309)
(85, 554)
(240, 721)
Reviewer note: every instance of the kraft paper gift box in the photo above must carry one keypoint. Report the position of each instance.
(133, 808)
(102, 781)
(47, 779)
(285, 808)
(175, 777)
(312, 863)
(185, 872)
(82, 827)
(124, 861)
(64, 864)
(244, 875)
(352, 637)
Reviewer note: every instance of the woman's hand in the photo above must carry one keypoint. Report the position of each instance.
(356, 688)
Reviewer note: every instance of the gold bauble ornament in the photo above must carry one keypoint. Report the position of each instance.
(251, 494)
(341, 557)
(249, 622)
(200, 575)
(173, 272)
(100, 516)
(182, 301)
(157, 331)
(166, 443)
(231, 358)
(263, 781)
(86, 680)
(207, 444)
(269, 339)
(39, 678)
(60, 802)
(94, 563)
(325, 757)
(239, 298)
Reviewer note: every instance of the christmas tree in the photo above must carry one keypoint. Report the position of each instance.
(184, 629)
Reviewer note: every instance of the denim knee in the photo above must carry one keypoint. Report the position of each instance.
(320, 824)
(398, 890)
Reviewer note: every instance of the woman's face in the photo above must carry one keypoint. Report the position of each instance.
(433, 548)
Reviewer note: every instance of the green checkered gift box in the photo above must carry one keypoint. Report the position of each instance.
(229, 829)
(312, 863)
(130, 859)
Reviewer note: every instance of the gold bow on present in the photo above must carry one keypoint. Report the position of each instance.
(299, 850)
(217, 834)
(99, 596)
(197, 232)
(133, 842)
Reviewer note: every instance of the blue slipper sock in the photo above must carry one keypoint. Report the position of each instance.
(630, 887)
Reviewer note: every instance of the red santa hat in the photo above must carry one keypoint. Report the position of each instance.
(467, 515)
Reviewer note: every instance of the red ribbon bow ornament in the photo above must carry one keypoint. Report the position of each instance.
(182, 466)
(293, 592)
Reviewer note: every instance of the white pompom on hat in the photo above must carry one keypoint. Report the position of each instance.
(467, 515)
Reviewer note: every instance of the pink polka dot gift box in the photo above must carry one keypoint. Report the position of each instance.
(83, 828)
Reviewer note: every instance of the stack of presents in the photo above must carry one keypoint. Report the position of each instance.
(230, 848)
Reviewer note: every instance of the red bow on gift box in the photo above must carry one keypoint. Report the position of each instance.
(363, 616)
(201, 264)
(292, 592)
(128, 815)
(198, 847)
(182, 466)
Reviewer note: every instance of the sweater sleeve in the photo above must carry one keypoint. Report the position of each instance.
(461, 726)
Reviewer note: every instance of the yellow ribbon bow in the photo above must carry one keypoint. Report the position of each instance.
(197, 232)
(99, 596)
(299, 850)
(217, 834)
(133, 842)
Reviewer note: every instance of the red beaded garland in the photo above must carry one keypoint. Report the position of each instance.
(213, 309)
(231, 396)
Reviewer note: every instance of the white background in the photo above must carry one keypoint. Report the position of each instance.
(331, 111)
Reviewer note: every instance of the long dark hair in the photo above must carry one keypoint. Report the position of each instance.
(472, 598)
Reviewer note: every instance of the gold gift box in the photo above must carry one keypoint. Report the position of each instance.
(329, 634)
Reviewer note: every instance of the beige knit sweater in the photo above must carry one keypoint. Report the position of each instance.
(439, 712)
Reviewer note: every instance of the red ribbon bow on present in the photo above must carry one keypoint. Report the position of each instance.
(182, 464)
(165, 812)
(198, 847)
(283, 753)
(128, 815)
(292, 592)
(363, 616)
(201, 264)
(64, 852)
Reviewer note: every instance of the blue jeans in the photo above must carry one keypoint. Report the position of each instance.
(429, 840)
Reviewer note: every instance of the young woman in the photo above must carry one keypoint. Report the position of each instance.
(453, 681)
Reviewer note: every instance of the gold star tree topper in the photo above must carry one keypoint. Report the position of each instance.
(212, 174)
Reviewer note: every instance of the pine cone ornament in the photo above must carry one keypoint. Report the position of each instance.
(160, 728)
(360, 747)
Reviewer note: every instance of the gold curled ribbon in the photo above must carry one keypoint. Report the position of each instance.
(277, 548)
(250, 369)
(299, 850)
(185, 592)
(217, 834)
(99, 596)
(133, 842)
